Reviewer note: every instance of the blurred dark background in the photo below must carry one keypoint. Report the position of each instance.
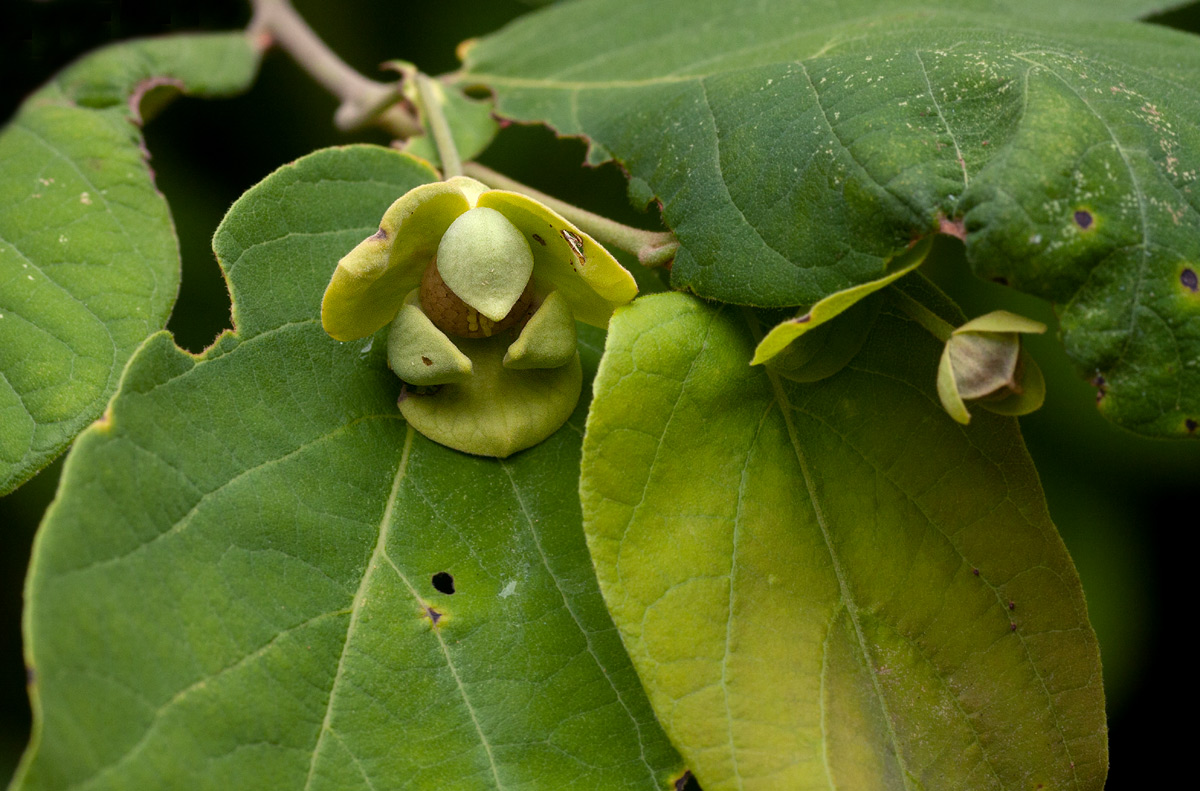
(1124, 504)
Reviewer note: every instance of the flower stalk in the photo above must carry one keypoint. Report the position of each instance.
(652, 248)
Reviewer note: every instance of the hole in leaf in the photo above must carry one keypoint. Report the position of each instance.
(1191, 425)
(686, 782)
(443, 582)
(1001, 280)
(1083, 219)
(1189, 280)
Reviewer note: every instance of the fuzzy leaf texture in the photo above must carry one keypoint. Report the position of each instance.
(830, 585)
(235, 587)
(89, 262)
(796, 146)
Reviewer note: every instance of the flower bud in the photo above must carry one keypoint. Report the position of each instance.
(983, 362)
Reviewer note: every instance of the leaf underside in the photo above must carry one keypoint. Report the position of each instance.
(89, 262)
(831, 585)
(795, 147)
(236, 585)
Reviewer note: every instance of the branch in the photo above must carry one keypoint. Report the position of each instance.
(652, 248)
(363, 101)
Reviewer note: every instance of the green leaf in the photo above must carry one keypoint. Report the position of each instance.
(798, 146)
(832, 585)
(89, 262)
(235, 587)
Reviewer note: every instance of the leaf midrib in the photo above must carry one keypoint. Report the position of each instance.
(847, 597)
(379, 557)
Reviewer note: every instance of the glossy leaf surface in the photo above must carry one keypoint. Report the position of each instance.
(797, 146)
(832, 585)
(89, 262)
(240, 585)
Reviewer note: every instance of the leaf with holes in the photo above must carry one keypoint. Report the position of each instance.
(256, 576)
(797, 147)
(89, 262)
(830, 585)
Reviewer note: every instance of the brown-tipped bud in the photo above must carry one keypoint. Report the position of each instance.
(454, 317)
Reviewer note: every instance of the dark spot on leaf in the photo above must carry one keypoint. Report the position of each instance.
(685, 781)
(1012, 627)
(426, 360)
(30, 676)
(1083, 219)
(380, 234)
(805, 319)
(1099, 381)
(1191, 425)
(443, 582)
(1189, 280)
(975, 572)
(576, 243)
(433, 614)
(1001, 280)
(539, 240)
(1012, 605)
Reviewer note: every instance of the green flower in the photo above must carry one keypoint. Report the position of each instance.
(983, 362)
(482, 289)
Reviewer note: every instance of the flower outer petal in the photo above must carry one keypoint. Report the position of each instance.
(485, 261)
(947, 390)
(566, 259)
(548, 339)
(419, 352)
(498, 411)
(784, 333)
(371, 281)
(983, 362)
(1001, 321)
(1032, 395)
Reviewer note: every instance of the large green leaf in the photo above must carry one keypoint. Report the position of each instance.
(89, 263)
(235, 587)
(831, 585)
(797, 146)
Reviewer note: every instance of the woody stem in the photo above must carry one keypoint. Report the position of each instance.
(363, 100)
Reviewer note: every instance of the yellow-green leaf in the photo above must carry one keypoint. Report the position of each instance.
(832, 585)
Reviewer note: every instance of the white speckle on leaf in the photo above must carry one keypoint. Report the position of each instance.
(1035, 239)
(29, 276)
(62, 238)
(509, 589)
(367, 348)
(85, 199)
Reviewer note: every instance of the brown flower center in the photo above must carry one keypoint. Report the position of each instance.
(452, 316)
